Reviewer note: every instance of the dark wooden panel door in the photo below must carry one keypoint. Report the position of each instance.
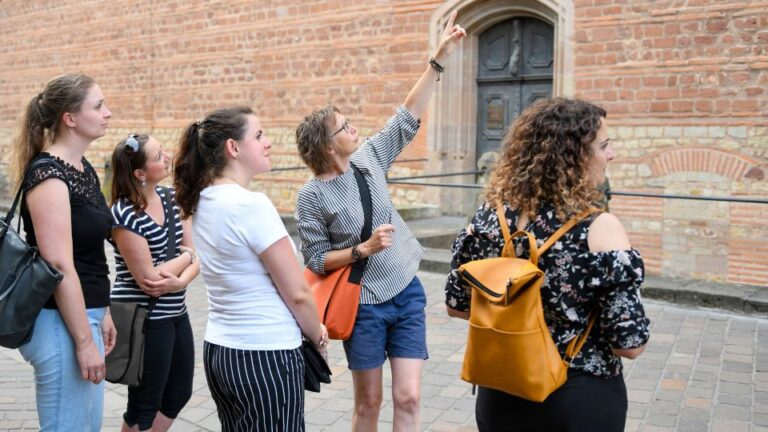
(514, 69)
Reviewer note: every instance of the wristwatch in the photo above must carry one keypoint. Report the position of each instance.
(356, 255)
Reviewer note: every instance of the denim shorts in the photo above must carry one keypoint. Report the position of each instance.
(395, 328)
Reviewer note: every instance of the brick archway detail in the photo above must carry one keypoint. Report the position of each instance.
(709, 160)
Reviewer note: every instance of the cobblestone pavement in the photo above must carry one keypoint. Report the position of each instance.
(702, 371)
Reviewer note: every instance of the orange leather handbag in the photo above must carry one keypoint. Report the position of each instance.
(337, 293)
(509, 347)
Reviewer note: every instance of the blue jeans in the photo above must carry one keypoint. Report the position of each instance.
(65, 401)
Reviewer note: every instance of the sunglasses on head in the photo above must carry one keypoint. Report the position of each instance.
(132, 143)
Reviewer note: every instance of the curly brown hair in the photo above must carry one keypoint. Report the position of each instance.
(545, 159)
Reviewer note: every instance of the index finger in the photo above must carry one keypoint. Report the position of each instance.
(451, 19)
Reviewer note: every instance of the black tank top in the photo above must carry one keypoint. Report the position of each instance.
(91, 225)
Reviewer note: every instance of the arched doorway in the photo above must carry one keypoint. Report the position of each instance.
(514, 68)
(456, 108)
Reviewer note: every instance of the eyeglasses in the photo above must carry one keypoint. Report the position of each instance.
(344, 127)
(132, 143)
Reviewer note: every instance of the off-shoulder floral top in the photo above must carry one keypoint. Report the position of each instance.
(577, 281)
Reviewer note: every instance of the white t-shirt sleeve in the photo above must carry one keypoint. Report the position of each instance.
(259, 224)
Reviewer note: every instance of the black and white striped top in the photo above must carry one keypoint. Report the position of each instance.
(125, 288)
(329, 214)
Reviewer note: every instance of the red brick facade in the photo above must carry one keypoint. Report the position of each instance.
(684, 82)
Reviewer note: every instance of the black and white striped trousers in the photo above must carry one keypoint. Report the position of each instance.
(256, 390)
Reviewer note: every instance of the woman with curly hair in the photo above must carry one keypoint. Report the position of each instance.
(554, 158)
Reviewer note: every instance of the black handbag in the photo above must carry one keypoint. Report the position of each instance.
(316, 370)
(27, 281)
(125, 363)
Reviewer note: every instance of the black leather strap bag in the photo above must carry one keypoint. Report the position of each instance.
(125, 364)
(316, 370)
(26, 279)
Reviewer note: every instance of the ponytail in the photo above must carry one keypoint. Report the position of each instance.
(43, 114)
(191, 173)
(201, 157)
(31, 138)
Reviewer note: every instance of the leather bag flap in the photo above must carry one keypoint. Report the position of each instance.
(499, 279)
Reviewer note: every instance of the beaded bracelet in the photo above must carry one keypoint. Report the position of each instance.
(437, 67)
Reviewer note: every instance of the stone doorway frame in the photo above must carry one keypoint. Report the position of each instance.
(452, 126)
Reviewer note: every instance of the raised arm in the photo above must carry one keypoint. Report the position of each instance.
(418, 98)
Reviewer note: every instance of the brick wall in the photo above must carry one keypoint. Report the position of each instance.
(685, 84)
(164, 64)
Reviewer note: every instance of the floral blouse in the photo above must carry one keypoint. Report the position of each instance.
(577, 281)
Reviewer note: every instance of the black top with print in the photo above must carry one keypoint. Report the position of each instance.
(91, 225)
(576, 282)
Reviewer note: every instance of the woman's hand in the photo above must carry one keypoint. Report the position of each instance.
(381, 238)
(322, 342)
(109, 333)
(92, 367)
(452, 36)
(168, 284)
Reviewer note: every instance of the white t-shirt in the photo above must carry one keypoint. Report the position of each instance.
(231, 227)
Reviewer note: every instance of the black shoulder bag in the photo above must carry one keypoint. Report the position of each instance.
(27, 281)
(125, 364)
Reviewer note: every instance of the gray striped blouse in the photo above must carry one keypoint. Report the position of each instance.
(330, 216)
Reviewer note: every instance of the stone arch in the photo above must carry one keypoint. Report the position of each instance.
(697, 159)
(453, 110)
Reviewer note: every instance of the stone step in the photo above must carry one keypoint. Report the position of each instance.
(437, 232)
(740, 298)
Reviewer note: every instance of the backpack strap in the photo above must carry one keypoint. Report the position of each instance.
(508, 250)
(502, 221)
(563, 229)
(574, 347)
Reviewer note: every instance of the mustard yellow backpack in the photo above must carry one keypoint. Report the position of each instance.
(509, 347)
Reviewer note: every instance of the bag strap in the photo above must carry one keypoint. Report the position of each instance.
(18, 198)
(170, 220)
(170, 245)
(564, 229)
(356, 275)
(574, 347)
(508, 250)
(536, 252)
